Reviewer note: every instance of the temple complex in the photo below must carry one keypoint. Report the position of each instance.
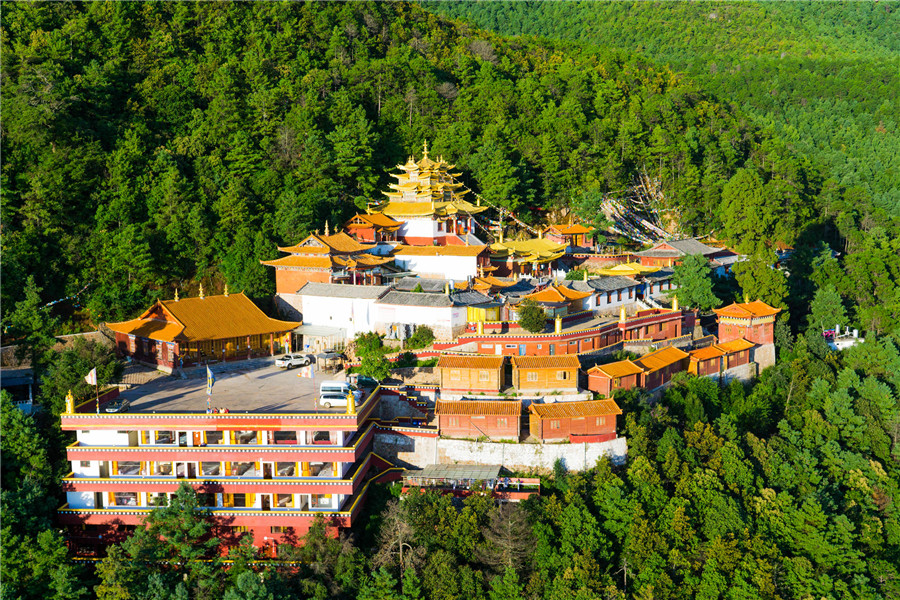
(429, 204)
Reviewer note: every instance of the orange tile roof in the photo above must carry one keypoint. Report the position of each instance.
(558, 293)
(707, 353)
(308, 262)
(492, 281)
(621, 368)
(152, 329)
(747, 310)
(561, 361)
(660, 358)
(470, 361)
(439, 250)
(209, 318)
(373, 220)
(338, 243)
(736, 345)
(580, 408)
(503, 408)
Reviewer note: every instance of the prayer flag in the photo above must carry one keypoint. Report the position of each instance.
(91, 377)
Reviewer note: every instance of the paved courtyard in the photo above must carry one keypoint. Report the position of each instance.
(258, 387)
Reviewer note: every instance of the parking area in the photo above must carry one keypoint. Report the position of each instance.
(254, 389)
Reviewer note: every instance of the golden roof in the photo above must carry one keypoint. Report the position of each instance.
(439, 250)
(560, 361)
(579, 408)
(428, 209)
(660, 359)
(502, 408)
(338, 243)
(470, 361)
(747, 310)
(627, 270)
(537, 250)
(198, 319)
(557, 293)
(621, 368)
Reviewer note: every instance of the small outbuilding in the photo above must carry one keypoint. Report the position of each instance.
(545, 374)
(619, 375)
(468, 373)
(581, 421)
(474, 419)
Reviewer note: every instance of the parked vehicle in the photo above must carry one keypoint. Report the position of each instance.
(293, 360)
(366, 382)
(332, 399)
(118, 406)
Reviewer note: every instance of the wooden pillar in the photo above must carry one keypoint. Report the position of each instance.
(271, 344)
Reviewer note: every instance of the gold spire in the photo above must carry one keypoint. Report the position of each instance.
(674, 303)
(201, 291)
(425, 150)
(70, 403)
(326, 228)
(622, 315)
(351, 403)
(585, 274)
(176, 295)
(226, 289)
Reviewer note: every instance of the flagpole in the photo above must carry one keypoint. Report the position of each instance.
(97, 391)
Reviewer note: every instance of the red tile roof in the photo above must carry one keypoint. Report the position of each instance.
(622, 368)
(661, 358)
(747, 310)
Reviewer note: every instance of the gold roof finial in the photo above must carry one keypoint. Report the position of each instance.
(70, 403)
(425, 150)
(585, 275)
(176, 295)
(226, 289)
(201, 291)
(326, 228)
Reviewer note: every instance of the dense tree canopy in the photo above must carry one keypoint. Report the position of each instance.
(151, 147)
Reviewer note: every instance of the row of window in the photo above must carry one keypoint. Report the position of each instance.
(247, 500)
(233, 438)
(190, 470)
(456, 375)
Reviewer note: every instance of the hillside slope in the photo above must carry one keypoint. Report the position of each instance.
(152, 146)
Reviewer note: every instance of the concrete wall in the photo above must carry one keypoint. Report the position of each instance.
(391, 407)
(541, 457)
(356, 315)
(447, 322)
(457, 268)
(406, 451)
(602, 304)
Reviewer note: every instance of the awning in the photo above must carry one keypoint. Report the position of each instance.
(320, 331)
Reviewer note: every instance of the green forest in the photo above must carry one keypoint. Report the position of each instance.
(822, 76)
(154, 147)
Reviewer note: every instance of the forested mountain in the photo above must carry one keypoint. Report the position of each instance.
(152, 146)
(822, 75)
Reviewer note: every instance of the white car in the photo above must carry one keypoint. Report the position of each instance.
(329, 400)
(292, 360)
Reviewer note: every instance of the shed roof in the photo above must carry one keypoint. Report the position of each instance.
(621, 368)
(469, 361)
(707, 353)
(560, 361)
(736, 345)
(579, 408)
(500, 408)
(661, 358)
(677, 248)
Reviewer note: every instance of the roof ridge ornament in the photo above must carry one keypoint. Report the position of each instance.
(425, 149)
(201, 292)
(176, 294)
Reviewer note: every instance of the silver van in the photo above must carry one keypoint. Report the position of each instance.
(334, 387)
